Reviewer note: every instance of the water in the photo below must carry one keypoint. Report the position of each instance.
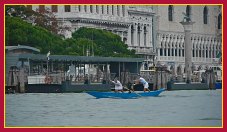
(186, 108)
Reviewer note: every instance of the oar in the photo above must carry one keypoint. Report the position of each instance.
(133, 92)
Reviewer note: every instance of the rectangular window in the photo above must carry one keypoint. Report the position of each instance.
(102, 9)
(91, 9)
(118, 10)
(67, 8)
(85, 8)
(112, 10)
(29, 7)
(41, 8)
(165, 52)
(97, 9)
(183, 52)
(54, 8)
(168, 52)
(107, 8)
(161, 54)
(79, 8)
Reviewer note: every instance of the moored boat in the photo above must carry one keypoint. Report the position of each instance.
(125, 95)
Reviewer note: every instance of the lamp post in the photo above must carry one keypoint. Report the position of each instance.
(188, 48)
(48, 54)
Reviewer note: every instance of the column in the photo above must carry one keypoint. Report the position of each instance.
(105, 9)
(120, 11)
(126, 11)
(82, 8)
(174, 57)
(76, 8)
(129, 36)
(110, 9)
(61, 8)
(88, 9)
(198, 53)
(158, 58)
(188, 48)
(94, 8)
(115, 10)
(122, 35)
(148, 43)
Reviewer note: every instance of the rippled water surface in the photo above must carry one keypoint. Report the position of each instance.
(171, 108)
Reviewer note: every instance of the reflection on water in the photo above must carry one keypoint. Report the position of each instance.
(171, 108)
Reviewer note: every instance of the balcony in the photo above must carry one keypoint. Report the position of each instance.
(143, 50)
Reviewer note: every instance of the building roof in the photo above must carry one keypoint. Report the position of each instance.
(86, 59)
(10, 48)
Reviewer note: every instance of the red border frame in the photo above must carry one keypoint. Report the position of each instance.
(99, 2)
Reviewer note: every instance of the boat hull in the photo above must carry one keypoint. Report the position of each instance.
(126, 95)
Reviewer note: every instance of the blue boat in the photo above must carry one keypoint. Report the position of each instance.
(125, 95)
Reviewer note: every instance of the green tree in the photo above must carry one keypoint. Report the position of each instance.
(104, 43)
(22, 29)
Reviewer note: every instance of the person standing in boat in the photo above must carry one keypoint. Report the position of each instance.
(144, 82)
(118, 85)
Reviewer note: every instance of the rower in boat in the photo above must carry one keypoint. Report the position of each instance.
(118, 86)
(144, 82)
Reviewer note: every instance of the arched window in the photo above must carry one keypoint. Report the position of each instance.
(188, 11)
(138, 35)
(145, 35)
(112, 10)
(170, 12)
(85, 8)
(107, 9)
(97, 9)
(102, 9)
(205, 15)
(118, 10)
(219, 21)
(132, 35)
(91, 8)
(79, 8)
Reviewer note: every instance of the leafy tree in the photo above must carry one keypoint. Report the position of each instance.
(26, 27)
(45, 19)
(104, 43)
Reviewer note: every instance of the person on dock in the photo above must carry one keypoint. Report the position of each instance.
(118, 85)
(144, 82)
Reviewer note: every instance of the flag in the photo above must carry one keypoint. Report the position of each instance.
(48, 54)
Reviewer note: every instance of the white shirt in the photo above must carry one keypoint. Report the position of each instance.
(118, 85)
(142, 80)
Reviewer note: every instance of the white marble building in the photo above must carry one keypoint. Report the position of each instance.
(152, 30)
(132, 23)
(206, 36)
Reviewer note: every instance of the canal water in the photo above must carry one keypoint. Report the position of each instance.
(183, 108)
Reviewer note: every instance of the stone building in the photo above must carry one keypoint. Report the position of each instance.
(206, 36)
(134, 24)
(153, 31)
